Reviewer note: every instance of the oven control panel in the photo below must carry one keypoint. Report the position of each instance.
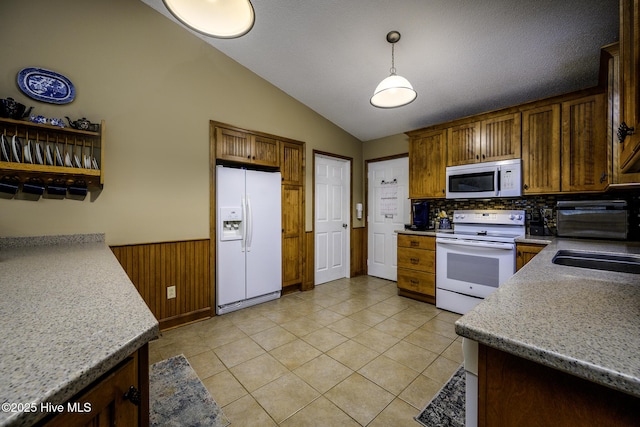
(506, 217)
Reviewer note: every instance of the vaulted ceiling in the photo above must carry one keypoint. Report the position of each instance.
(462, 56)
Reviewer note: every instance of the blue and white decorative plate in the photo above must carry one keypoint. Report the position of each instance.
(46, 86)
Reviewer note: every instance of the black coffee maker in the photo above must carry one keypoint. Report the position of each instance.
(419, 215)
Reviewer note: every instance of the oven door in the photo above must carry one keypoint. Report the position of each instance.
(472, 267)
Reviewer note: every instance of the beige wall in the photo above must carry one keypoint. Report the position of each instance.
(385, 147)
(157, 86)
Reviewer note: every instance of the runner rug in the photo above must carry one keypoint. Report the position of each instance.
(446, 409)
(178, 398)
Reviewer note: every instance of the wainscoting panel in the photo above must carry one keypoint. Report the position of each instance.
(155, 266)
(358, 251)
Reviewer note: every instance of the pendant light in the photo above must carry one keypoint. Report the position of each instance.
(225, 19)
(394, 91)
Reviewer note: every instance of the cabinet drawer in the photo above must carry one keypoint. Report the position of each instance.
(417, 281)
(417, 242)
(416, 259)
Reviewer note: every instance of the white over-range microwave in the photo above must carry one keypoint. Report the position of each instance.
(484, 180)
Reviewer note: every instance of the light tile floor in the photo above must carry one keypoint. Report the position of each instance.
(350, 352)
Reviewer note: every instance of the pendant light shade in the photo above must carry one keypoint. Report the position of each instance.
(225, 19)
(394, 91)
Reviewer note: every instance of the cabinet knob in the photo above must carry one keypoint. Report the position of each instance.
(415, 260)
(477, 156)
(133, 395)
(526, 186)
(624, 131)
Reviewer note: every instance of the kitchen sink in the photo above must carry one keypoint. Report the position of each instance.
(598, 261)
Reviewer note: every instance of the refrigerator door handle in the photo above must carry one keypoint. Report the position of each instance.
(244, 226)
(249, 219)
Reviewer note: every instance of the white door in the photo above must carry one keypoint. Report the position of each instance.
(331, 219)
(388, 210)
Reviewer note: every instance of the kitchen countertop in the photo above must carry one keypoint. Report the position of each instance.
(581, 321)
(68, 314)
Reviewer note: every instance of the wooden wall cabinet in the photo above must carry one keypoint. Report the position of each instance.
(260, 149)
(494, 138)
(80, 143)
(244, 147)
(584, 144)
(525, 253)
(417, 267)
(629, 149)
(106, 396)
(427, 163)
(541, 149)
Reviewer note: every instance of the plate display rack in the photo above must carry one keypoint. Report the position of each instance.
(51, 155)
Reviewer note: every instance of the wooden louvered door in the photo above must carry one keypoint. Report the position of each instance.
(584, 144)
(233, 145)
(541, 150)
(464, 144)
(500, 138)
(427, 162)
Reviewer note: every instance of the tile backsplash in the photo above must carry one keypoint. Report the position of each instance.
(533, 203)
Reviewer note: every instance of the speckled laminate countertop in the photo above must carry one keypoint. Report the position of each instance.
(68, 314)
(581, 321)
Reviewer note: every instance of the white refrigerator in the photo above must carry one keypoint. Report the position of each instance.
(248, 238)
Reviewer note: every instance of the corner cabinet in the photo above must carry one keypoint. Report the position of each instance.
(427, 163)
(46, 156)
(260, 150)
(629, 147)
(417, 267)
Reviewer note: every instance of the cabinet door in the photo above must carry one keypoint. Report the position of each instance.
(108, 406)
(584, 144)
(630, 88)
(463, 144)
(233, 145)
(427, 162)
(525, 253)
(541, 150)
(291, 161)
(265, 151)
(292, 211)
(500, 138)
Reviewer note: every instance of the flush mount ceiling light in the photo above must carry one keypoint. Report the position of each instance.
(394, 91)
(225, 19)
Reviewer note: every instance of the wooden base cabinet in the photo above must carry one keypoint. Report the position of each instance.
(525, 252)
(417, 267)
(513, 391)
(112, 399)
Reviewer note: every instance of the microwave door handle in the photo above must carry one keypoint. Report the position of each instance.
(498, 183)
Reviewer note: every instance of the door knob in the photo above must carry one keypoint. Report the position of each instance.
(344, 225)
